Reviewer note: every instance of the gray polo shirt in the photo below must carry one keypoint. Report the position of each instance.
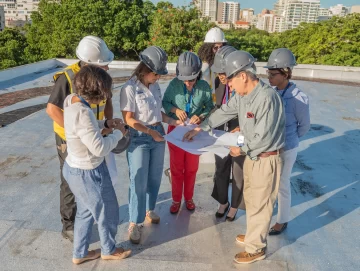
(261, 118)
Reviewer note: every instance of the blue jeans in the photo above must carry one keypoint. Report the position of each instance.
(145, 158)
(96, 199)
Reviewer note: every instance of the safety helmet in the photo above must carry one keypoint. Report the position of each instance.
(281, 58)
(155, 59)
(123, 144)
(188, 66)
(215, 35)
(219, 60)
(238, 61)
(93, 50)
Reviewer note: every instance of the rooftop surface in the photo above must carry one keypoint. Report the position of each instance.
(324, 233)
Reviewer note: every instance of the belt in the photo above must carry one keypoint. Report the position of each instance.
(269, 153)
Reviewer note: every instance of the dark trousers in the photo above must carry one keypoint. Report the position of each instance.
(222, 180)
(67, 198)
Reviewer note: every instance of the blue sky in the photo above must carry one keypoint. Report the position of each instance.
(258, 5)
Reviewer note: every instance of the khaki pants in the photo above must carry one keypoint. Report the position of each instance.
(261, 185)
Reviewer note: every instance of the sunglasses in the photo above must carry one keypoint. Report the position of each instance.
(155, 74)
(272, 75)
(215, 48)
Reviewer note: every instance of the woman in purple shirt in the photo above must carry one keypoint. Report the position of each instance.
(280, 65)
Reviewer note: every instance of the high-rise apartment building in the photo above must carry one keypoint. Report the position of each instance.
(17, 13)
(207, 8)
(267, 20)
(247, 14)
(355, 9)
(295, 12)
(228, 12)
(2, 18)
(324, 12)
(339, 10)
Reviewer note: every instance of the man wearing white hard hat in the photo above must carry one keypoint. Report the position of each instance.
(90, 51)
(214, 40)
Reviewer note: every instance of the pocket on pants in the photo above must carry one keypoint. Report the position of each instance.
(74, 171)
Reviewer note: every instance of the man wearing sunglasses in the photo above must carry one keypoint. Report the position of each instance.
(262, 120)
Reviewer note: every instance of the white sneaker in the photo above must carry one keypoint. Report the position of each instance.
(152, 217)
(134, 234)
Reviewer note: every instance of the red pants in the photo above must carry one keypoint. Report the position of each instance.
(183, 168)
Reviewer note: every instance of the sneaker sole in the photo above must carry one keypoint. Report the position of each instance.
(124, 255)
(254, 260)
(153, 221)
(240, 242)
(136, 242)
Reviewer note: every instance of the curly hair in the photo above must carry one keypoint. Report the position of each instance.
(206, 53)
(93, 83)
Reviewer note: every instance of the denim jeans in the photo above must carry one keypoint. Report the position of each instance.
(145, 158)
(96, 199)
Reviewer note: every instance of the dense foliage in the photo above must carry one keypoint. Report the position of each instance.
(128, 27)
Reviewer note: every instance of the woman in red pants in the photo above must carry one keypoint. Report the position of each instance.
(186, 98)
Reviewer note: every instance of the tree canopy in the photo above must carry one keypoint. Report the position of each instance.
(128, 27)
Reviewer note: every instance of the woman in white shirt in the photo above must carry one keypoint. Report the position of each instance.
(140, 103)
(85, 169)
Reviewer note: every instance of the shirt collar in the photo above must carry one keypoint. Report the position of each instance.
(251, 97)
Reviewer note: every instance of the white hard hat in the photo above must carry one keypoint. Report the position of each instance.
(215, 35)
(93, 50)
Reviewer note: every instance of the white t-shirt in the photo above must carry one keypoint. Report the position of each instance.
(145, 102)
(86, 146)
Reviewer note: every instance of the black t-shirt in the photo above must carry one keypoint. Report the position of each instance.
(60, 91)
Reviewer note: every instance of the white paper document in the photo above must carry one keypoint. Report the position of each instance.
(217, 143)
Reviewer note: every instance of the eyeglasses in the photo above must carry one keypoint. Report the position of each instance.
(272, 75)
(155, 74)
(215, 48)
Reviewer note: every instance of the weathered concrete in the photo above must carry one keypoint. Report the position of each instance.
(323, 234)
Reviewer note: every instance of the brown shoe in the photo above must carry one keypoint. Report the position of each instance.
(92, 255)
(119, 254)
(152, 217)
(245, 257)
(240, 238)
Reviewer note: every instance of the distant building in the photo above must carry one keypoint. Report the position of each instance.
(355, 9)
(324, 12)
(17, 13)
(247, 14)
(266, 21)
(228, 12)
(242, 25)
(224, 25)
(207, 8)
(2, 18)
(339, 10)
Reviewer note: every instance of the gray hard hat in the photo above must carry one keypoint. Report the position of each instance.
(123, 144)
(238, 61)
(155, 59)
(188, 66)
(281, 58)
(219, 60)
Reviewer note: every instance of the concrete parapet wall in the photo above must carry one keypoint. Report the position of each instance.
(337, 73)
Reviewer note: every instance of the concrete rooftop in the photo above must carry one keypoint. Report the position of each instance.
(323, 235)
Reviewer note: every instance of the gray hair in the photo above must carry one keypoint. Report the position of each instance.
(251, 72)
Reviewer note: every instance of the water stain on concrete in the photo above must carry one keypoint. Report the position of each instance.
(305, 187)
(301, 164)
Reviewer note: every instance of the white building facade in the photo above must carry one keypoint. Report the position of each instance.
(230, 12)
(340, 10)
(17, 13)
(208, 8)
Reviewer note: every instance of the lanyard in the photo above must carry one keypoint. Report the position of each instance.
(188, 104)
(83, 101)
(227, 90)
(284, 91)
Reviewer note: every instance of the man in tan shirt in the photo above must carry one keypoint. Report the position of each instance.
(262, 120)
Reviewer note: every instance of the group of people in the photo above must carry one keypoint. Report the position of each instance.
(216, 89)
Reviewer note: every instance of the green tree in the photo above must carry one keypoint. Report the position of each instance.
(12, 45)
(57, 27)
(177, 29)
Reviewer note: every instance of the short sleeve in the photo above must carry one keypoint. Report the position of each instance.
(127, 98)
(60, 92)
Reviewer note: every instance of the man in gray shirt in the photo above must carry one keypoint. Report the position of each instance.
(262, 121)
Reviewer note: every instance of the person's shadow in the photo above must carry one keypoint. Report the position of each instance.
(326, 184)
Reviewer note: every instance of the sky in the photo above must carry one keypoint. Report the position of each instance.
(258, 5)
